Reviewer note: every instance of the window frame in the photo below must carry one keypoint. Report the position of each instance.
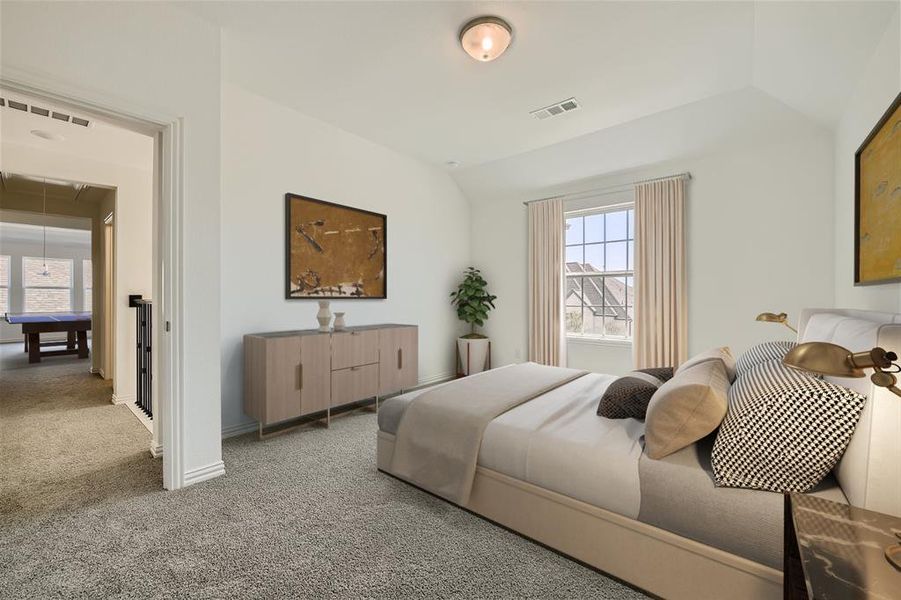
(70, 288)
(7, 285)
(629, 209)
(87, 276)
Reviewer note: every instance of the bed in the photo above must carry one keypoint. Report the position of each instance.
(552, 470)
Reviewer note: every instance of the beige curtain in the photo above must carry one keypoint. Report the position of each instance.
(547, 341)
(661, 313)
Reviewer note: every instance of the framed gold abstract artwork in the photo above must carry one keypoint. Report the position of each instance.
(877, 202)
(333, 251)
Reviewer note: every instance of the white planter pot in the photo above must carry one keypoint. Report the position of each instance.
(473, 354)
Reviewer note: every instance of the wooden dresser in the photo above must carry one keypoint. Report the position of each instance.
(293, 374)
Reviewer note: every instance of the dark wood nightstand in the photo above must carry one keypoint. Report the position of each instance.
(834, 550)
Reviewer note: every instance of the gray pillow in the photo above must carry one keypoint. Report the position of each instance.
(784, 431)
(628, 396)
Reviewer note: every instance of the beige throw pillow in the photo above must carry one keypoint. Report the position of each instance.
(686, 408)
(723, 353)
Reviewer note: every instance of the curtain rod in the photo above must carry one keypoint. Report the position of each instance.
(610, 188)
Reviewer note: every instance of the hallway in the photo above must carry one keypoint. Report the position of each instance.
(63, 444)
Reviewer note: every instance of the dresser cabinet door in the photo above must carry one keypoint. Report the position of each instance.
(398, 359)
(282, 378)
(315, 372)
(355, 383)
(355, 348)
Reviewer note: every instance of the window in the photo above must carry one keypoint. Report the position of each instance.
(4, 284)
(600, 252)
(50, 292)
(87, 284)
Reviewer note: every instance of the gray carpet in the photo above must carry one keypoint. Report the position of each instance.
(63, 444)
(304, 514)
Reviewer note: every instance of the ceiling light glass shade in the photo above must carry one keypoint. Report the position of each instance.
(486, 38)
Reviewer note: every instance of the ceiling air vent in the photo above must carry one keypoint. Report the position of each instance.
(559, 108)
(44, 112)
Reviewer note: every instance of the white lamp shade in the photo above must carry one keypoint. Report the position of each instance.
(486, 38)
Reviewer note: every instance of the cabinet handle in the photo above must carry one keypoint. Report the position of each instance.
(400, 358)
(300, 376)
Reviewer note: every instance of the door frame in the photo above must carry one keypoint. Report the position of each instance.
(108, 360)
(168, 239)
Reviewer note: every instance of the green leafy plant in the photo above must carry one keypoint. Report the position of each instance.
(472, 300)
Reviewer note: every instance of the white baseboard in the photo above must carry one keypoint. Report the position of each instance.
(156, 449)
(248, 426)
(144, 419)
(434, 380)
(122, 399)
(203, 473)
(239, 429)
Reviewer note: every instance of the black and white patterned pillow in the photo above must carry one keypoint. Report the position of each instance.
(762, 353)
(784, 431)
(628, 396)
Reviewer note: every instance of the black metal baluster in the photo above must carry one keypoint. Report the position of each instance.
(143, 364)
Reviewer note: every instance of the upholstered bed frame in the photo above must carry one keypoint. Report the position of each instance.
(673, 566)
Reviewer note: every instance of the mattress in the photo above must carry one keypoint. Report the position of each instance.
(558, 442)
(677, 494)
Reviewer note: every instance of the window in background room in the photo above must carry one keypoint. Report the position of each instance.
(50, 292)
(599, 273)
(4, 284)
(87, 284)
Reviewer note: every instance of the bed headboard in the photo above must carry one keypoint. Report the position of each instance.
(870, 470)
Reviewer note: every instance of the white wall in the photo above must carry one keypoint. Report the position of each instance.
(759, 217)
(279, 150)
(878, 86)
(150, 58)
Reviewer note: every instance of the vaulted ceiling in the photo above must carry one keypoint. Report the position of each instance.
(393, 72)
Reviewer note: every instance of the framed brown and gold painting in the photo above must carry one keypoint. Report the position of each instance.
(877, 202)
(334, 251)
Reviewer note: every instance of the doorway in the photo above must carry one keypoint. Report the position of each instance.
(164, 254)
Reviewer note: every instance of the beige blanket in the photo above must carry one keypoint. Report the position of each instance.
(439, 436)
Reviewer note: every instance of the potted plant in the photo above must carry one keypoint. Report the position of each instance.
(472, 301)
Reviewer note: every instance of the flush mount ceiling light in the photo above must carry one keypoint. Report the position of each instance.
(486, 38)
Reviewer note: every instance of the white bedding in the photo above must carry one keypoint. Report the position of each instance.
(558, 442)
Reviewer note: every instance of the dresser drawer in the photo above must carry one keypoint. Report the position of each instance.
(355, 348)
(354, 383)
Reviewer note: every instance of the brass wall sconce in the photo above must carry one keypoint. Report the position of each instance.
(769, 317)
(831, 359)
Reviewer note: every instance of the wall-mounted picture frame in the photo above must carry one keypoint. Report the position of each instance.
(333, 251)
(877, 202)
